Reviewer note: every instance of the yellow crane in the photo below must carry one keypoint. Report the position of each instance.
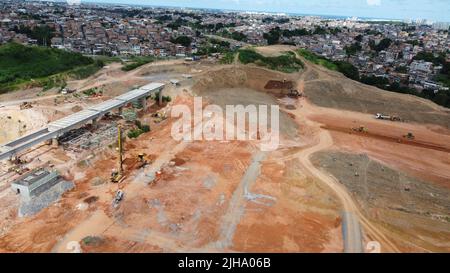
(117, 175)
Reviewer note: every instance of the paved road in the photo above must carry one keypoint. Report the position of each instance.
(236, 209)
(351, 232)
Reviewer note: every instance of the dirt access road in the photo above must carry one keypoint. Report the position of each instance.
(351, 213)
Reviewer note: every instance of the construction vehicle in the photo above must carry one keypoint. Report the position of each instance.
(387, 117)
(360, 129)
(293, 93)
(159, 116)
(117, 198)
(66, 91)
(142, 160)
(117, 175)
(409, 136)
(25, 105)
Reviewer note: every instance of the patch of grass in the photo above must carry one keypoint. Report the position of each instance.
(92, 241)
(137, 62)
(345, 68)
(316, 59)
(228, 58)
(86, 71)
(92, 91)
(287, 62)
(107, 59)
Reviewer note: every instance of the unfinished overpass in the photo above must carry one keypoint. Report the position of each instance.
(57, 128)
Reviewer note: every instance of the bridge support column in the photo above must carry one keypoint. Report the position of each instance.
(160, 101)
(12, 159)
(144, 103)
(95, 122)
(55, 142)
(120, 110)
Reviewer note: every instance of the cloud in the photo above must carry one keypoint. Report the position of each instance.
(374, 2)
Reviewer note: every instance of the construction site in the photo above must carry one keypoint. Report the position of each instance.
(102, 173)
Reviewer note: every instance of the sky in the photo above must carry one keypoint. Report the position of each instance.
(435, 10)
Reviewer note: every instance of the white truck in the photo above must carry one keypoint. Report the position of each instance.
(387, 117)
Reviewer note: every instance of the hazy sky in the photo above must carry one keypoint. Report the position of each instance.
(437, 10)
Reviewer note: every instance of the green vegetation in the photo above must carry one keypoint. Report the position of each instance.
(296, 32)
(345, 68)
(287, 62)
(43, 34)
(107, 59)
(382, 45)
(228, 58)
(92, 241)
(437, 60)
(137, 62)
(87, 70)
(320, 30)
(177, 23)
(238, 36)
(21, 64)
(53, 81)
(276, 20)
(92, 91)
(316, 59)
(139, 130)
(273, 36)
(182, 40)
(353, 49)
(164, 98)
(213, 46)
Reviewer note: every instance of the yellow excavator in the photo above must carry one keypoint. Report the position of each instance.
(117, 175)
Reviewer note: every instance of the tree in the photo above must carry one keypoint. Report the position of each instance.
(382, 45)
(238, 36)
(182, 40)
(273, 36)
(353, 49)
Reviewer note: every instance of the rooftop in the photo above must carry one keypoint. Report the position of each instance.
(31, 177)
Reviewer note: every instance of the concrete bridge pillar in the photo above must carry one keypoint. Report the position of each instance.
(95, 122)
(144, 103)
(160, 102)
(120, 110)
(55, 142)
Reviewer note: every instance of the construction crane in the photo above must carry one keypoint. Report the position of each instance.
(117, 175)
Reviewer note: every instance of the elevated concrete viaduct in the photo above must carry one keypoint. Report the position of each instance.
(57, 128)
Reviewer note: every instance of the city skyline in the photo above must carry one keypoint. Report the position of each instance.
(433, 10)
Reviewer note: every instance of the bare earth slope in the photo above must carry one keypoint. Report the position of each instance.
(331, 89)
